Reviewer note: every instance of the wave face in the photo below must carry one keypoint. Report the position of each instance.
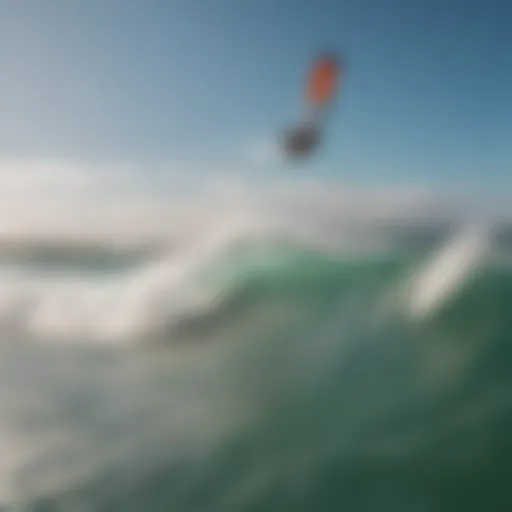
(248, 371)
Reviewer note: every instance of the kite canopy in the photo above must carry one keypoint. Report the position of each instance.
(322, 80)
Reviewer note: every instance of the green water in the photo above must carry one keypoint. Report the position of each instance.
(292, 392)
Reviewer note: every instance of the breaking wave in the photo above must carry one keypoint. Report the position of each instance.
(253, 368)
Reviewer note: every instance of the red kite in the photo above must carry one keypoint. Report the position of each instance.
(321, 86)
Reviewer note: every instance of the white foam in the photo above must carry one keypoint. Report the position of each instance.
(448, 270)
(116, 308)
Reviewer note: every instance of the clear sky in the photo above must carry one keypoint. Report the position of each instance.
(427, 96)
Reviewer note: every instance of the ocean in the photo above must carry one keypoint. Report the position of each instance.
(258, 373)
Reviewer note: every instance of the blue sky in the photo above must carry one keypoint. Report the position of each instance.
(427, 95)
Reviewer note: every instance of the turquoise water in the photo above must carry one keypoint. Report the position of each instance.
(292, 380)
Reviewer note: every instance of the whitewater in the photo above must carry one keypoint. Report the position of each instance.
(279, 347)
